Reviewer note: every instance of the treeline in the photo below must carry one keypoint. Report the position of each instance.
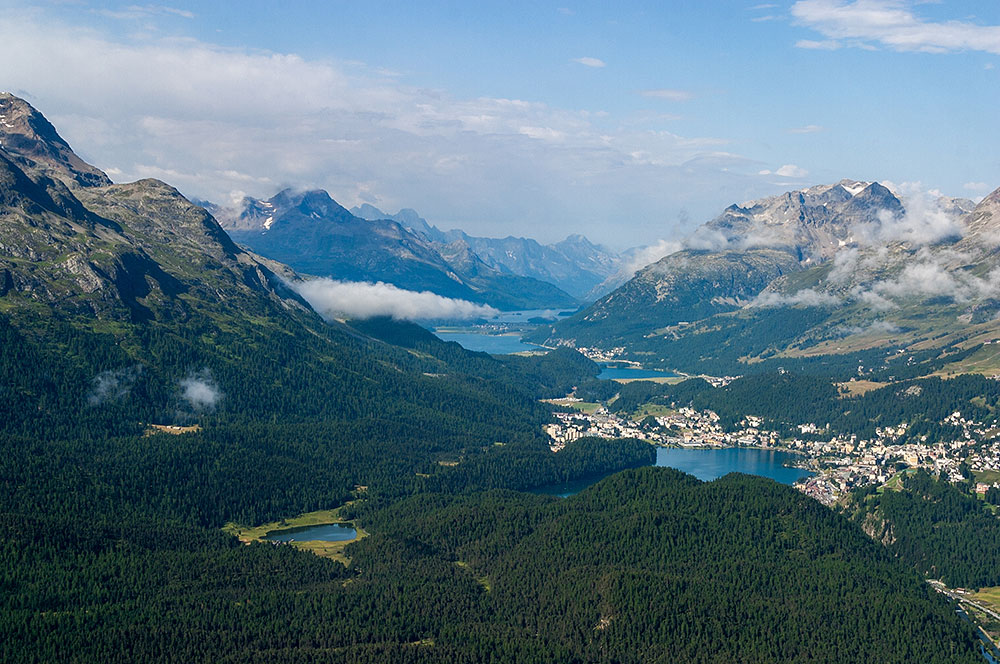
(936, 527)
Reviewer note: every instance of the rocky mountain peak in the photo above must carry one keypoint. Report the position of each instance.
(872, 201)
(983, 224)
(369, 212)
(991, 201)
(34, 143)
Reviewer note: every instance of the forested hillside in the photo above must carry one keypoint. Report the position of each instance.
(785, 400)
(936, 527)
(157, 382)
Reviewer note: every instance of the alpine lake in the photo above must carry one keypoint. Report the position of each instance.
(502, 336)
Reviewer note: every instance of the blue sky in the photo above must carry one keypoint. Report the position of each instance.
(630, 123)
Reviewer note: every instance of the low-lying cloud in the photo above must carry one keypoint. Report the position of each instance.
(649, 255)
(807, 297)
(930, 279)
(112, 385)
(875, 327)
(348, 299)
(200, 390)
(925, 220)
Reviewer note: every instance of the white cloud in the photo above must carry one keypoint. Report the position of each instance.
(878, 327)
(650, 254)
(135, 12)
(873, 300)
(791, 171)
(927, 275)
(200, 390)
(672, 95)
(333, 299)
(924, 221)
(808, 129)
(824, 45)
(891, 24)
(707, 238)
(807, 297)
(112, 385)
(850, 262)
(590, 62)
(976, 186)
(927, 279)
(213, 119)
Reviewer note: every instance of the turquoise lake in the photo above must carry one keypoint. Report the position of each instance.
(495, 344)
(612, 373)
(329, 532)
(706, 465)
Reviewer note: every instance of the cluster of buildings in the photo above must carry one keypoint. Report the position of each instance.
(601, 424)
(839, 463)
(684, 428)
(600, 355)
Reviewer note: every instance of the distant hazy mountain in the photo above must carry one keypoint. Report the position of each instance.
(575, 264)
(832, 270)
(314, 234)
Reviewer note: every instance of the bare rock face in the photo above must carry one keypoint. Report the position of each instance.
(850, 250)
(28, 137)
(812, 224)
(83, 273)
(982, 224)
(69, 236)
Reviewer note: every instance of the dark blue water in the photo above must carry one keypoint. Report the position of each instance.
(610, 373)
(495, 344)
(329, 532)
(706, 465)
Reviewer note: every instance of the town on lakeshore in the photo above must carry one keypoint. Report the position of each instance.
(839, 463)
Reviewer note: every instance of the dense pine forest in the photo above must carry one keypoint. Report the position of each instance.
(112, 550)
(937, 528)
(158, 382)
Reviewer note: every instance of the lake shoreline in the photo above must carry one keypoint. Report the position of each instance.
(704, 468)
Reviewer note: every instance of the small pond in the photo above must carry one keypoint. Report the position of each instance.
(327, 532)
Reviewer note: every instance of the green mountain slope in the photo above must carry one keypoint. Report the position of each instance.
(125, 306)
(686, 286)
(850, 282)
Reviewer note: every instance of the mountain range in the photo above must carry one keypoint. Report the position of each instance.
(843, 275)
(575, 264)
(313, 234)
(163, 389)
